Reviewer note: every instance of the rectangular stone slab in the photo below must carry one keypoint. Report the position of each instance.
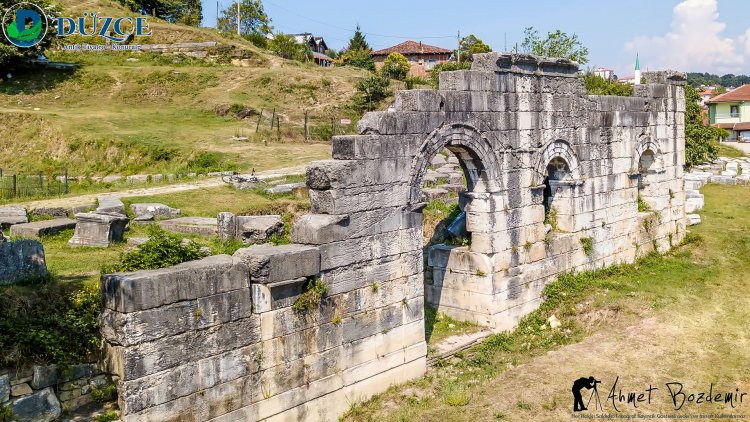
(42, 228)
(11, 215)
(270, 264)
(191, 225)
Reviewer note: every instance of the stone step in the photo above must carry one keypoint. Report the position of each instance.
(191, 225)
(42, 228)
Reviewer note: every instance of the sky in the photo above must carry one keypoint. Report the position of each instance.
(689, 35)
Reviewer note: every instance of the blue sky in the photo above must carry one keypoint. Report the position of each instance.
(689, 35)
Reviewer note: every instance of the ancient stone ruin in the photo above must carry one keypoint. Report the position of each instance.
(557, 180)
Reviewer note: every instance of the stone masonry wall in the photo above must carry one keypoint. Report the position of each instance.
(220, 339)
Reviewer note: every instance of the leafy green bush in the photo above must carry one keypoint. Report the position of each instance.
(361, 58)
(205, 162)
(395, 66)
(287, 47)
(413, 81)
(701, 141)
(311, 297)
(372, 90)
(50, 323)
(161, 250)
(108, 417)
(596, 85)
(103, 395)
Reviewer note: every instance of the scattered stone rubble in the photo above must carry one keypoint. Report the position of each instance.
(723, 171)
(250, 229)
(41, 393)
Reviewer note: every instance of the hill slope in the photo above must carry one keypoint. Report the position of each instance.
(130, 112)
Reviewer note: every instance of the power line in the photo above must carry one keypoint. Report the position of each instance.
(349, 30)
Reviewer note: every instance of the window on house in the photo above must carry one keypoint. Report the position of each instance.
(734, 111)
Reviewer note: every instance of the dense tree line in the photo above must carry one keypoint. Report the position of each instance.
(698, 79)
(188, 12)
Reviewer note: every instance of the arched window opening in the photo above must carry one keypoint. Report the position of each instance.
(647, 175)
(444, 187)
(558, 195)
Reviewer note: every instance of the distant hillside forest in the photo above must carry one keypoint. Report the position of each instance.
(698, 79)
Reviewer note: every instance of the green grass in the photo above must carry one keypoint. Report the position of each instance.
(439, 326)
(730, 151)
(685, 287)
(128, 112)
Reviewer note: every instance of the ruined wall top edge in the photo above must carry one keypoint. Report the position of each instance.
(524, 64)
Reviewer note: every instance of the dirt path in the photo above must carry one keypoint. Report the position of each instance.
(90, 199)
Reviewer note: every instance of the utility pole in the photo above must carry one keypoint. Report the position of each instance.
(217, 14)
(238, 18)
(458, 43)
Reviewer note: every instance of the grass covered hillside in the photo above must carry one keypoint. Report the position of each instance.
(131, 112)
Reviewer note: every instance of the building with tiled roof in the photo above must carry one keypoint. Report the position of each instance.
(731, 111)
(422, 57)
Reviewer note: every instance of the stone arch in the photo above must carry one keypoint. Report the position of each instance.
(557, 149)
(474, 151)
(647, 145)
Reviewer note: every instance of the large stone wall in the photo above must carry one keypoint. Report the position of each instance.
(220, 339)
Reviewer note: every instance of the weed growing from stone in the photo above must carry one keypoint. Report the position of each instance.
(312, 296)
(588, 245)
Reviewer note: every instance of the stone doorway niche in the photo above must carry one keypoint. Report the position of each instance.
(458, 274)
(560, 177)
(649, 168)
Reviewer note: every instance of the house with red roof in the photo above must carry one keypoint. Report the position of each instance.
(731, 111)
(422, 57)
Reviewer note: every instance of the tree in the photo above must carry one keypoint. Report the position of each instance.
(358, 41)
(701, 141)
(395, 66)
(557, 44)
(718, 91)
(188, 12)
(252, 15)
(372, 90)
(357, 58)
(287, 47)
(471, 45)
(10, 55)
(596, 85)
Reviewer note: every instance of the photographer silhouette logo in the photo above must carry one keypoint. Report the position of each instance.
(25, 25)
(589, 384)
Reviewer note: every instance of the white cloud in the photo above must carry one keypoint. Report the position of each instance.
(694, 43)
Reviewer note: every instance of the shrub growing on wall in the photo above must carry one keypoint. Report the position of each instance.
(161, 250)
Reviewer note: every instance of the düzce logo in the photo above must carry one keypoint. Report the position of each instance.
(25, 25)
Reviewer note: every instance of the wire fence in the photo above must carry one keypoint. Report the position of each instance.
(24, 185)
(267, 125)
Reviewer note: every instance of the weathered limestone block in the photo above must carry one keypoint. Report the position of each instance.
(418, 100)
(38, 229)
(190, 225)
(156, 210)
(21, 260)
(258, 228)
(438, 160)
(317, 229)
(57, 212)
(141, 290)
(137, 327)
(110, 204)
(286, 188)
(694, 204)
(354, 173)
(41, 406)
(98, 230)
(270, 264)
(12, 214)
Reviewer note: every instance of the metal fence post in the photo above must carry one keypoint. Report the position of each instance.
(13, 192)
(260, 117)
(66, 180)
(307, 137)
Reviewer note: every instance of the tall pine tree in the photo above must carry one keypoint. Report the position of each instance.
(358, 41)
